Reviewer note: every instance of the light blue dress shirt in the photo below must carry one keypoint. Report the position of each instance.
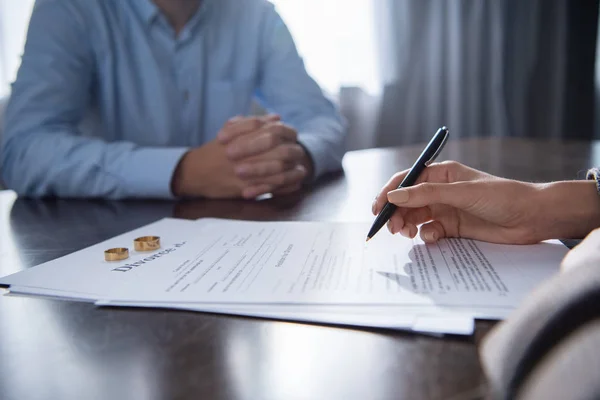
(108, 99)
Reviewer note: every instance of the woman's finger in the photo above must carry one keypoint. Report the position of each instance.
(403, 216)
(432, 232)
(381, 197)
(417, 216)
(438, 173)
(409, 231)
(461, 195)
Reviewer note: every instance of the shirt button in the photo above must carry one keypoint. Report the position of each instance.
(186, 95)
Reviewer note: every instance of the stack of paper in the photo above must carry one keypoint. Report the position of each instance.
(302, 271)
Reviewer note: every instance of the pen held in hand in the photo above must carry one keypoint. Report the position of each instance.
(428, 156)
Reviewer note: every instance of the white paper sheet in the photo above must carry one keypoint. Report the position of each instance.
(213, 263)
(388, 317)
(419, 320)
(243, 262)
(449, 323)
(70, 268)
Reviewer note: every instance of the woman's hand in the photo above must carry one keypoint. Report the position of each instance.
(453, 200)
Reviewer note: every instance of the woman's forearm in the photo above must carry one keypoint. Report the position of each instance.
(568, 209)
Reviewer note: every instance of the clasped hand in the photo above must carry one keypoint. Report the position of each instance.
(251, 156)
(266, 155)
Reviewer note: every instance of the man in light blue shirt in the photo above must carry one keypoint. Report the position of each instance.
(146, 98)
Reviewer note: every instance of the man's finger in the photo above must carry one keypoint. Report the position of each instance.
(461, 195)
(295, 175)
(252, 145)
(260, 169)
(288, 189)
(234, 120)
(288, 153)
(239, 126)
(269, 138)
(253, 192)
(284, 183)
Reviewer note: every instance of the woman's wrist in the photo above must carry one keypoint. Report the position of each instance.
(567, 210)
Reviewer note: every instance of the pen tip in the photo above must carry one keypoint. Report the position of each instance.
(368, 238)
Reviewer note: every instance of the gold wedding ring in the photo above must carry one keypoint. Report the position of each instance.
(147, 243)
(116, 254)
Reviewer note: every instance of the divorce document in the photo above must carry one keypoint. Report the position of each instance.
(211, 264)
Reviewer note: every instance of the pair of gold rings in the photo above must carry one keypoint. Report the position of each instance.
(144, 243)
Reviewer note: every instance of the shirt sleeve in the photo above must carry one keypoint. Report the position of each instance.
(594, 174)
(43, 152)
(287, 89)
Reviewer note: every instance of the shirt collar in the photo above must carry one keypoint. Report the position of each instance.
(146, 10)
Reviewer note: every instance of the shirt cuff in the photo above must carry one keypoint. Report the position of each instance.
(319, 154)
(594, 174)
(151, 170)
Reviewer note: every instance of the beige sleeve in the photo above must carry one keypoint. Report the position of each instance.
(547, 345)
(587, 253)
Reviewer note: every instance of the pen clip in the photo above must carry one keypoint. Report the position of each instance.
(438, 151)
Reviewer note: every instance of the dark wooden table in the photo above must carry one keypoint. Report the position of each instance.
(66, 350)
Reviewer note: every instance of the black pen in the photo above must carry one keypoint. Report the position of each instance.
(435, 146)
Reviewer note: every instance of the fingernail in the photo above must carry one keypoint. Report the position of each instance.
(412, 231)
(373, 206)
(398, 196)
(430, 236)
(390, 226)
(405, 232)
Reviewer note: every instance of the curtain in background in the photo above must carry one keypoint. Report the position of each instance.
(481, 67)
